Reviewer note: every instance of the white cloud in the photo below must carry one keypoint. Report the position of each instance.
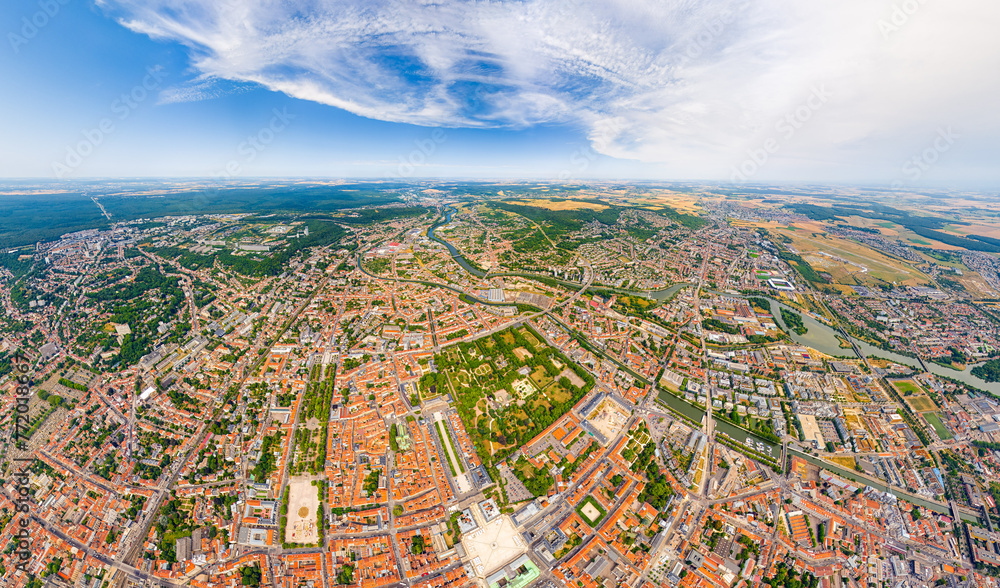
(689, 84)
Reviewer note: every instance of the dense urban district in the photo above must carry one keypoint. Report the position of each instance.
(502, 385)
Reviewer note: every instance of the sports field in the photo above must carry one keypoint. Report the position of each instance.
(935, 421)
(915, 396)
(921, 403)
(907, 387)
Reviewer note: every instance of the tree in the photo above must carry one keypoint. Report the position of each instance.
(250, 575)
(346, 574)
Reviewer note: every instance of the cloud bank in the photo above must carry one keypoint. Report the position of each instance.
(697, 86)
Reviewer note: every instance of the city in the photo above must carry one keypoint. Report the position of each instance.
(651, 388)
(500, 294)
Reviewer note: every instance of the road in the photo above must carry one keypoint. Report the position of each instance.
(153, 505)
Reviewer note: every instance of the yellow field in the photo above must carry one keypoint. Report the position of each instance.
(847, 260)
(844, 461)
(921, 403)
(894, 231)
(685, 203)
(854, 422)
(560, 204)
(975, 285)
(974, 229)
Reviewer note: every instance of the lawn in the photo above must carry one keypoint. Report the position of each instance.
(558, 394)
(531, 339)
(907, 387)
(880, 266)
(540, 377)
(935, 421)
(591, 511)
(454, 463)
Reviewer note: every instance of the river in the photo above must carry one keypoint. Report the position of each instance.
(822, 337)
(451, 248)
(660, 295)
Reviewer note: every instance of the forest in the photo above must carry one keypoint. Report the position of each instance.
(920, 224)
(989, 371)
(793, 321)
(34, 216)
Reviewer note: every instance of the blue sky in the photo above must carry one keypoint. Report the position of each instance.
(875, 91)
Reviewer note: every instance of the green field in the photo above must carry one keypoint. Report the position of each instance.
(445, 435)
(590, 501)
(935, 421)
(907, 387)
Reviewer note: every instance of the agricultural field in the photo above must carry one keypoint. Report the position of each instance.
(561, 204)
(686, 203)
(846, 261)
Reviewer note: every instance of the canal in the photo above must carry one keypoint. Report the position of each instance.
(824, 338)
(880, 485)
(819, 336)
(696, 414)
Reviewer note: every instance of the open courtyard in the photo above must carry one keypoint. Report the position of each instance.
(303, 504)
(493, 545)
